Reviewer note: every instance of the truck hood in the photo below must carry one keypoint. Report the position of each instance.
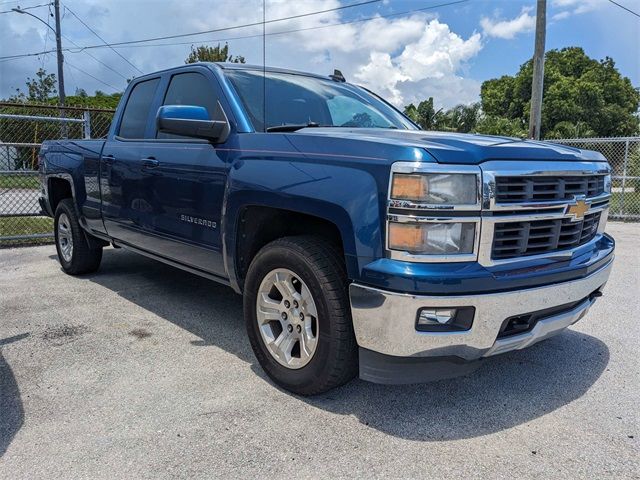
(460, 148)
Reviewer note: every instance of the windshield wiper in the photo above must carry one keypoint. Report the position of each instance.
(292, 127)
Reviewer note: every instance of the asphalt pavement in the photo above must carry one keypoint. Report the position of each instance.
(145, 371)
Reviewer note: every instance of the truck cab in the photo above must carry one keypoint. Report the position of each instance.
(361, 244)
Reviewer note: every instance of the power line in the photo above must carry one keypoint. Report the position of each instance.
(284, 32)
(168, 37)
(28, 8)
(102, 39)
(254, 24)
(625, 8)
(95, 78)
(2, 2)
(96, 59)
(69, 40)
(46, 38)
(127, 45)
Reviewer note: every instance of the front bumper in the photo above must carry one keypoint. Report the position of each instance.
(385, 322)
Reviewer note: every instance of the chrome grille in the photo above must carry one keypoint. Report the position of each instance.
(547, 188)
(516, 239)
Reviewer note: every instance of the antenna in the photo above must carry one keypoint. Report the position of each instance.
(264, 65)
(337, 76)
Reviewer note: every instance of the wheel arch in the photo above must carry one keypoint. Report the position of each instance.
(258, 225)
(338, 201)
(59, 187)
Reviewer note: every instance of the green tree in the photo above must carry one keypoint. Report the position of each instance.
(493, 125)
(411, 111)
(424, 114)
(581, 95)
(39, 89)
(99, 100)
(571, 130)
(204, 53)
(461, 118)
(633, 169)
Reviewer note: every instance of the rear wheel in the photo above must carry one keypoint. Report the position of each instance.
(75, 253)
(298, 317)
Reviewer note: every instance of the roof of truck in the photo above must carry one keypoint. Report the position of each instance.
(234, 66)
(245, 66)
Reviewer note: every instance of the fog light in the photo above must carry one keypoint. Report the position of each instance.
(436, 316)
(445, 319)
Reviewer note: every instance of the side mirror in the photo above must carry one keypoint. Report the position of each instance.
(192, 121)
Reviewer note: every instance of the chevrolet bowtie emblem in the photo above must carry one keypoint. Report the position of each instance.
(578, 210)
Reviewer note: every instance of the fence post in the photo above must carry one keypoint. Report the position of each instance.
(624, 175)
(86, 126)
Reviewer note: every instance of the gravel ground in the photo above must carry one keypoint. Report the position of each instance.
(144, 371)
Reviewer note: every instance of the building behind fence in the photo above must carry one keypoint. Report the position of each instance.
(24, 127)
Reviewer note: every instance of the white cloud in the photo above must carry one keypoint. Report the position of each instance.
(381, 75)
(507, 29)
(560, 16)
(574, 7)
(404, 59)
(438, 53)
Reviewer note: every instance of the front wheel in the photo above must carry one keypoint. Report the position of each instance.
(75, 253)
(297, 315)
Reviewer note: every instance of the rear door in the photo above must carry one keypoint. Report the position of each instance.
(126, 204)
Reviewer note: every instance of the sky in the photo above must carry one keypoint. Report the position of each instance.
(405, 50)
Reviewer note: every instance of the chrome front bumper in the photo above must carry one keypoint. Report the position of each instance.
(385, 322)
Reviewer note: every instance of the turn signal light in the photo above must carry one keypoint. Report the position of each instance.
(409, 187)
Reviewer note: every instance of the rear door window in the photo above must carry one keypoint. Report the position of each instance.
(136, 112)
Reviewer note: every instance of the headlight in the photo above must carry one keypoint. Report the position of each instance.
(436, 188)
(432, 238)
(607, 184)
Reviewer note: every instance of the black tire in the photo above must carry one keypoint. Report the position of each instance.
(83, 258)
(321, 268)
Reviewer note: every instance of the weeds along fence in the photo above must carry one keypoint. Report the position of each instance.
(623, 153)
(23, 128)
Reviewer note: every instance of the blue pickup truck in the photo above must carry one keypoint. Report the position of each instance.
(361, 244)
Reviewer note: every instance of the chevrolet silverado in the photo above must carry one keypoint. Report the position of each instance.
(361, 244)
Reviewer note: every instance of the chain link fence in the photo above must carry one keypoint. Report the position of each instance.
(623, 154)
(23, 128)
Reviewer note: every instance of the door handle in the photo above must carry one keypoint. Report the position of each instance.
(150, 162)
(108, 159)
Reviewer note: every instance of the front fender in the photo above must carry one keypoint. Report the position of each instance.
(347, 196)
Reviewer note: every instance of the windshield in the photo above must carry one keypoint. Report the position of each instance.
(303, 100)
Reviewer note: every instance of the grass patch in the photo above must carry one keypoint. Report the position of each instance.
(14, 226)
(20, 181)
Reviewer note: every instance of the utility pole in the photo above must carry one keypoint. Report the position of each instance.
(535, 118)
(58, 34)
(61, 95)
